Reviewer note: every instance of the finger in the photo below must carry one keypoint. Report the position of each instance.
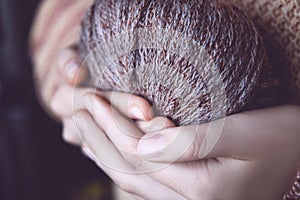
(49, 85)
(54, 81)
(121, 131)
(186, 143)
(69, 132)
(155, 125)
(172, 144)
(70, 66)
(118, 193)
(132, 106)
(134, 183)
(100, 149)
(242, 136)
(139, 185)
(47, 89)
(61, 102)
(93, 138)
(67, 100)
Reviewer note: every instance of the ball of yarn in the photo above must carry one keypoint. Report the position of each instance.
(195, 60)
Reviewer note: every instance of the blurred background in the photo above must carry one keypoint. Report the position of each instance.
(35, 163)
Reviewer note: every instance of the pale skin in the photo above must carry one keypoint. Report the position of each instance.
(256, 156)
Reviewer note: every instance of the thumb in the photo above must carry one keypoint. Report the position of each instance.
(186, 143)
(245, 136)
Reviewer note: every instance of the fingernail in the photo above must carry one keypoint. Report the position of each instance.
(71, 69)
(151, 145)
(67, 61)
(136, 113)
(89, 103)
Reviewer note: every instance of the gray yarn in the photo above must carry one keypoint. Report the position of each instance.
(187, 41)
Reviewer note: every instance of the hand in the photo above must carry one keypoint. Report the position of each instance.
(135, 183)
(53, 52)
(56, 86)
(256, 155)
(56, 61)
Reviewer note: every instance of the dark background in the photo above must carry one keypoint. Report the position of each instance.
(35, 163)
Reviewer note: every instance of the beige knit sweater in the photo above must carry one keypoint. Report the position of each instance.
(279, 21)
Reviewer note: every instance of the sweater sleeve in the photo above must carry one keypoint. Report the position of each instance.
(279, 22)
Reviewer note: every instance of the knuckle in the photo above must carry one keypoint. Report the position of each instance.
(70, 137)
(104, 117)
(81, 117)
(70, 134)
(143, 103)
(139, 102)
(64, 56)
(164, 121)
(126, 187)
(81, 114)
(196, 145)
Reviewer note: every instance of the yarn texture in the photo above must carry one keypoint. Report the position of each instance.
(200, 61)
